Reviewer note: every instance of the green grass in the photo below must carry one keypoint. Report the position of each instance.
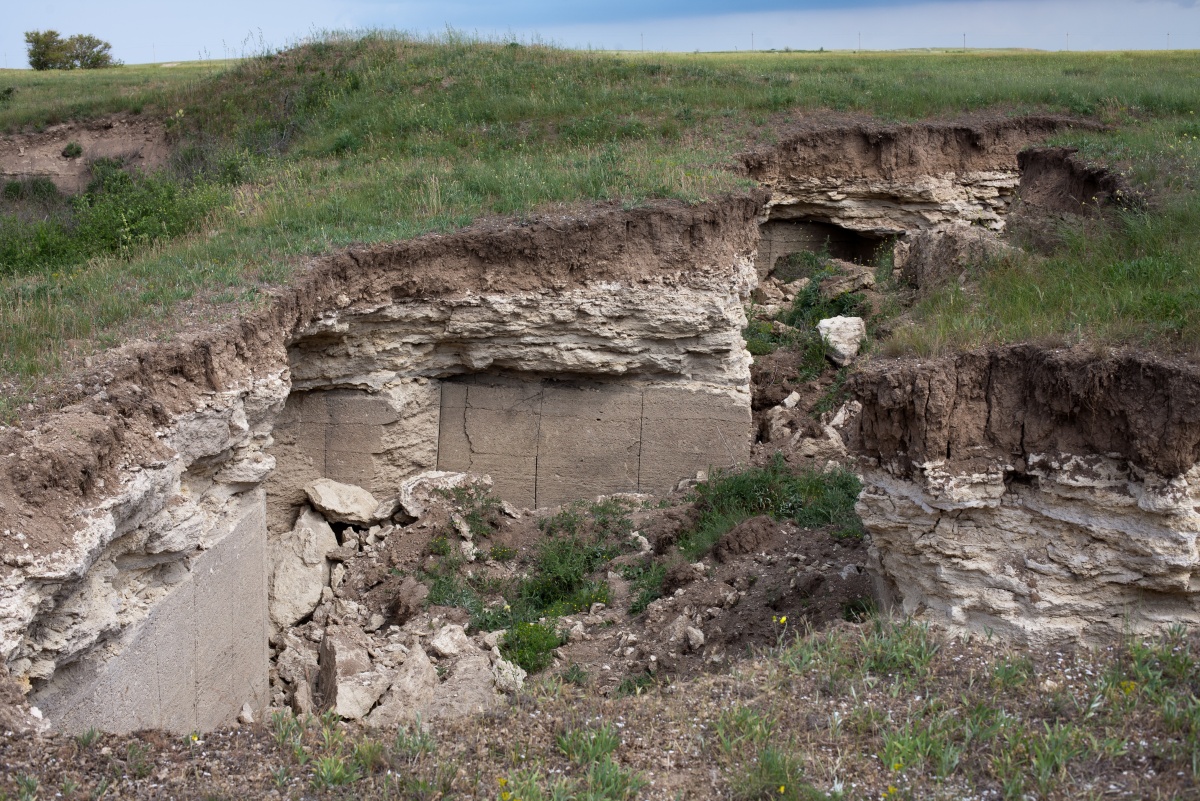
(810, 498)
(579, 540)
(1130, 278)
(531, 645)
(40, 99)
(386, 137)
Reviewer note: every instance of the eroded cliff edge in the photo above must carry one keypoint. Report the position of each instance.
(1044, 495)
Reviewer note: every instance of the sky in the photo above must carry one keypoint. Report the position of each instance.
(147, 31)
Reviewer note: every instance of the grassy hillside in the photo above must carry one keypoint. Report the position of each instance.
(384, 137)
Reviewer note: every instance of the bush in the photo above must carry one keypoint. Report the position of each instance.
(531, 645)
(118, 214)
(47, 50)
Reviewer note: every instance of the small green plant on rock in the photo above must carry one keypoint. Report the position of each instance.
(73, 150)
(531, 645)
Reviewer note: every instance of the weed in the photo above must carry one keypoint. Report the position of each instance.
(634, 685)
(608, 781)
(773, 774)
(502, 553)
(1012, 672)
(286, 728)
(904, 647)
(575, 674)
(531, 645)
(333, 771)
(742, 726)
(72, 151)
(87, 738)
(586, 746)
(647, 581)
(479, 508)
(412, 742)
(859, 609)
(135, 760)
(27, 787)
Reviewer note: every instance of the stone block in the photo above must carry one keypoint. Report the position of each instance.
(354, 438)
(599, 402)
(350, 468)
(671, 403)
(199, 657)
(454, 449)
(510, 396)
(514, 477)
(359, 408)
(512, 433)
(454, 395)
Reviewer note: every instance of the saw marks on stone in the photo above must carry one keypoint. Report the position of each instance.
(548, 442)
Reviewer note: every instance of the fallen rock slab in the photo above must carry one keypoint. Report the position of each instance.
(843, 336)
(343, 503)
(300, 569)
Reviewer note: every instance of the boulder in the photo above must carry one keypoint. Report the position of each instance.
(850, 278)
(348, 682)
(409, 600)
(843, 337)
(300, 570)
(412, 689)
(343, 503)
(419, 493)
(929, 259)
(509, 678)
(451, 641)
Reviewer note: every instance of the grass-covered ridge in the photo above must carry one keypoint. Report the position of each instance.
(386, 137)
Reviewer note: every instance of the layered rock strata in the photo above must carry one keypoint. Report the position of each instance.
(134, 518)
(1041, 495)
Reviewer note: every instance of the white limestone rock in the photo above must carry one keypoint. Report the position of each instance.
(450, 641)
(509, 677)
(300, 570)
(843, 336)
(348, 682)
(342, 503)
(412, 688)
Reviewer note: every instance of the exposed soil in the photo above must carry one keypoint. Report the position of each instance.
(1021, 399)
(137, 142)
(871, 149)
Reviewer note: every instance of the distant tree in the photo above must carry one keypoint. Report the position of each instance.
(49, 51)
(90, 53)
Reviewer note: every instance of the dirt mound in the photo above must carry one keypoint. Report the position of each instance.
(136, 142)
(751, 536)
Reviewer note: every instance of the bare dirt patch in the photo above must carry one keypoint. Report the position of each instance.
(136, 142)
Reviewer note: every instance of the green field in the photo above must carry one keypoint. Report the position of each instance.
(383, 137)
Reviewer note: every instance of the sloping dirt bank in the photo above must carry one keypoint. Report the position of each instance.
(1046, 495)
(134, 141)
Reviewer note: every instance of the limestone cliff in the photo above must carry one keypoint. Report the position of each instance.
(1045, 495)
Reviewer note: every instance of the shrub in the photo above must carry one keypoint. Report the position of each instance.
(72, 150)
(531, 645)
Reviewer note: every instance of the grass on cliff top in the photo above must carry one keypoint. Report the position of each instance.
(386, 137)
(1131, 277)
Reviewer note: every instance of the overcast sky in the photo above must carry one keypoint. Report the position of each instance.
(148, 31)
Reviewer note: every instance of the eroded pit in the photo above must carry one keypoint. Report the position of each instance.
(565, 358)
